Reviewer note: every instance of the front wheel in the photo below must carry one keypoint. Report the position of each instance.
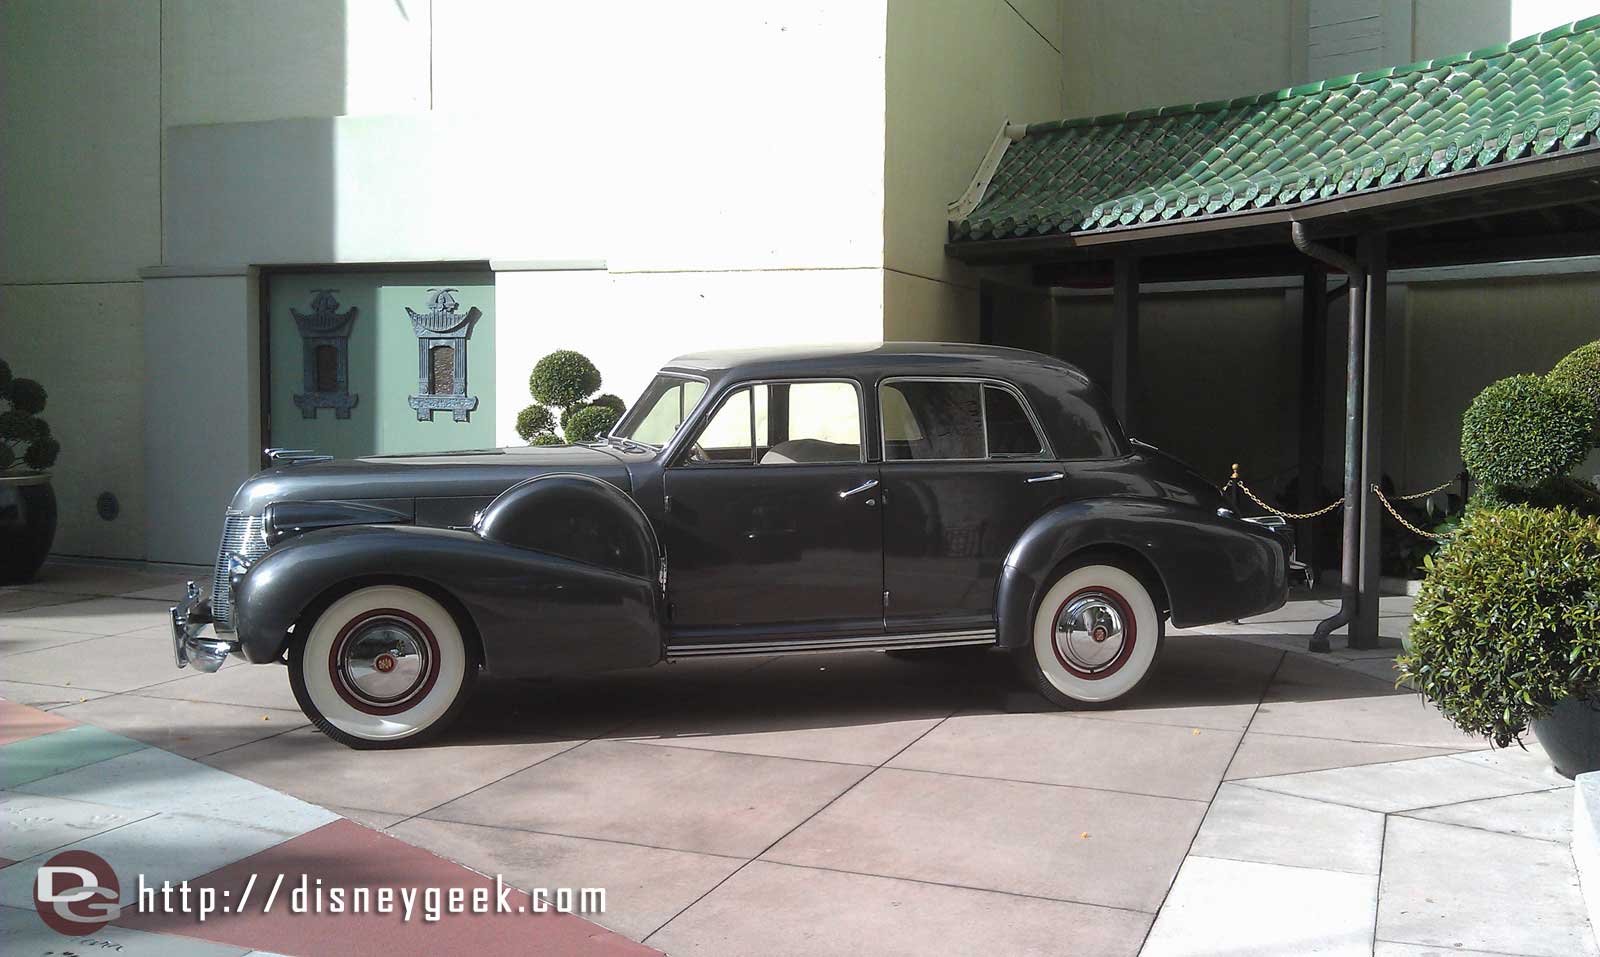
(382, 667)
(1095, 636)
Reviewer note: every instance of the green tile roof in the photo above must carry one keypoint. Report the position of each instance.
(1536, 95)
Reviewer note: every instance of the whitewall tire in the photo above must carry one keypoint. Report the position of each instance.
(382, 667)
(1095, 636)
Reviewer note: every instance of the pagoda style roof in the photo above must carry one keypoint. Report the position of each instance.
(1367, 131)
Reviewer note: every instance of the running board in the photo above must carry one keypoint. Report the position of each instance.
(806, 646)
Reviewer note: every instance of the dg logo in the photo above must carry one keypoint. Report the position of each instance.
(76, 893)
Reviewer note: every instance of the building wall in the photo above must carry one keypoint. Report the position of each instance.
(1128, 56)
(956, 70)
(79, 214)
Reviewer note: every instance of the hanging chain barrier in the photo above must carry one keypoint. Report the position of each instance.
(1234, 481)
(1403, 523)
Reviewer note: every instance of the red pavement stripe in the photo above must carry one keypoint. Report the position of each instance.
(6, 862)
(346, 855)
(18, 722)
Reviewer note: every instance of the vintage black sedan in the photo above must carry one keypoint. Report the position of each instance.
(882, 497)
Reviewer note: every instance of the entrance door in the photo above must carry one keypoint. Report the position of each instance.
(965, 470)
(774, 524)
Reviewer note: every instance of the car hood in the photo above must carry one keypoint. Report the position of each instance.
(389, 478)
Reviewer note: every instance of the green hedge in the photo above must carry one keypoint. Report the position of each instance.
(1579, 373)
(563, 378)
(589, 423)
(1507, 622)
(534, 420)
(1523, 431)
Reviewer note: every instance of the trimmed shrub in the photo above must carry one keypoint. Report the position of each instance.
(589, 423)
(27, 396)
(570, 411)
(23, 435)
(563, 378)
(534, 420)
(41, 453)
(1522, 431)
(609, 401)
(1507, 622)
(1579, 373)
(547, 438)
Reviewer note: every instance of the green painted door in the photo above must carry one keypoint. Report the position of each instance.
(349, 371)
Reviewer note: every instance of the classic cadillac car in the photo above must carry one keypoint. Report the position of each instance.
(889, 497)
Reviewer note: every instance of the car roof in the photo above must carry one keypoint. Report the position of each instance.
(933, 358)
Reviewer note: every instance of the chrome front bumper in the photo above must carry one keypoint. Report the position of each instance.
(189, 619)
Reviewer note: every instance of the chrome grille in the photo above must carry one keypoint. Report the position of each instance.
(241, 535)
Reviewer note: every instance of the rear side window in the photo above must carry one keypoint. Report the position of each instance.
(947, 420)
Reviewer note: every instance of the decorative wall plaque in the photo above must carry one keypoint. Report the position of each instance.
(325, 343)
(442, 333)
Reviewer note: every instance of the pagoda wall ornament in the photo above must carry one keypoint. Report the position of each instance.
(442, 335)
(325, 347)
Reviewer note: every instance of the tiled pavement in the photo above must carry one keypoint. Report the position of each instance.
(1250, 799)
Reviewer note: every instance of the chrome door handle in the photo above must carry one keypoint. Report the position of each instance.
(1047, 477)
(864, 486)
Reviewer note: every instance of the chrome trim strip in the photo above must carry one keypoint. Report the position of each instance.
(798, 646)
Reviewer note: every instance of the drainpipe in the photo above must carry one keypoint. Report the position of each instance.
(1349, 567)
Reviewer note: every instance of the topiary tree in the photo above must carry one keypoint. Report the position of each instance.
(1523, 432)
(22, 433)
(534, 421)
(566, 380)
(1507, 621)
(1579, 373)
(589, 423)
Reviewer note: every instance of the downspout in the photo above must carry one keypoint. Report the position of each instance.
(1349, 567)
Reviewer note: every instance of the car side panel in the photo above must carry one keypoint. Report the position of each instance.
(536, 614)
(1212, 569)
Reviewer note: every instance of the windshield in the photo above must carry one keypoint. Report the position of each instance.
(655, 418)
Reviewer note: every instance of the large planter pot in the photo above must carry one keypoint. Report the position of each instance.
(27, 524)
(1571, 735)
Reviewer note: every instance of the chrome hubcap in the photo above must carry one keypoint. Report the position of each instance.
(1090, 633)
(384, 661)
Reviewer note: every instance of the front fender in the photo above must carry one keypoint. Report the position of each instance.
(1211, 568)
(534, 613)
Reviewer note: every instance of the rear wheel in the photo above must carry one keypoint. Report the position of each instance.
(382, 667)
(1095, 636)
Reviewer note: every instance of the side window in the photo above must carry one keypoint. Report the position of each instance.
(930, 419)
(1010, 430)
(943, 420)
(782, 423)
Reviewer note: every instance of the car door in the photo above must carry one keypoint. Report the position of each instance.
(773, 526)
(965, 469)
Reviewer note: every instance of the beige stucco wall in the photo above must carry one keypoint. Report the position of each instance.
(1128, 56)
(955, 71)
(79, 214)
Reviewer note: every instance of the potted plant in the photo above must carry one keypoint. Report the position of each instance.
(1506, 629)
(27, 502)
(567, 380)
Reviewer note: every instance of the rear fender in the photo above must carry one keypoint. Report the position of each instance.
(1211, 568)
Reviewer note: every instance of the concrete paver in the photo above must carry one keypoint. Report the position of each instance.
(1246, 824)
(783, 911)
(711, 802)
(1064, 843)
(1436, 878)
(1246, 909)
